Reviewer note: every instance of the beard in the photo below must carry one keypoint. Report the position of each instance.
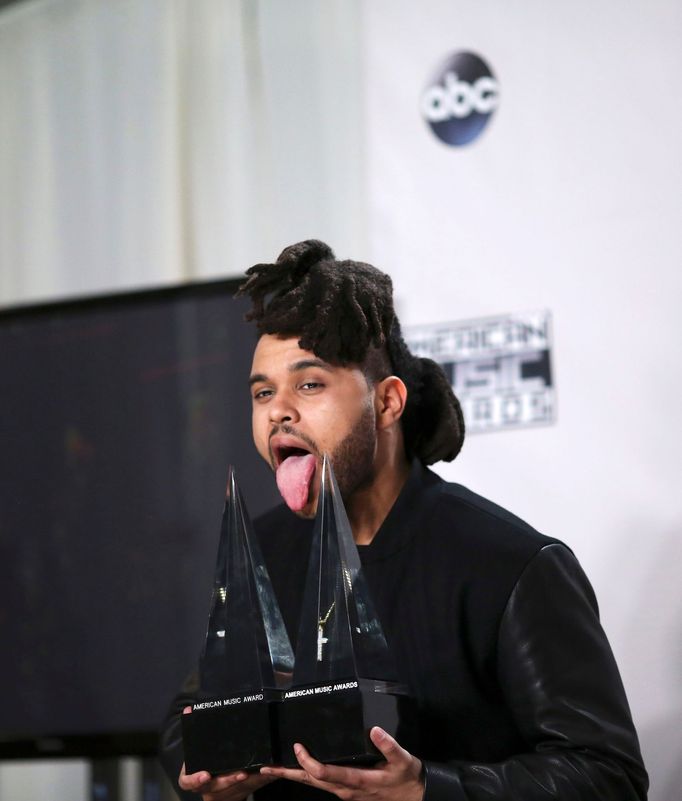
(353, 457)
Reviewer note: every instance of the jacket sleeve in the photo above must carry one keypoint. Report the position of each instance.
(562, 687)
(171, 753)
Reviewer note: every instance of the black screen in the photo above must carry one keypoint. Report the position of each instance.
(118, 420)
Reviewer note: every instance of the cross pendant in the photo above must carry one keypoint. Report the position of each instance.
(321, 640)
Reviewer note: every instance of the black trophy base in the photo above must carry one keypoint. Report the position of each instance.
(333, 720)
(231, 733)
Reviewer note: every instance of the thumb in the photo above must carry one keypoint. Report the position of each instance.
(389, 747)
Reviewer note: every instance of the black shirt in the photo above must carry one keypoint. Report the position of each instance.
(495, 630)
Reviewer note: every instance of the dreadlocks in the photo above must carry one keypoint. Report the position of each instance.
(343, 312)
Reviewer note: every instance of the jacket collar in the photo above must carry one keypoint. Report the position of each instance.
(402, 522)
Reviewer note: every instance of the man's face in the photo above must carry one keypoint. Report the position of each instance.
(302, 405)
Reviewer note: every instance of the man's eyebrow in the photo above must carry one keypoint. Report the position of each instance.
(257, 378)
(305, 364)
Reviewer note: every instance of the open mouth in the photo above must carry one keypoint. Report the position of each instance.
(282, 452)
(294, 469)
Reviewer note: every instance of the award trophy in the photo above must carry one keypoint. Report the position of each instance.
(344, 674)
(246, 661)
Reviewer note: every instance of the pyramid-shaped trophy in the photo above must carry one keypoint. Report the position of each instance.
(344, 678)
(247, 658)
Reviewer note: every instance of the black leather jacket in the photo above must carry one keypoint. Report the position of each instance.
(497, 631)
(564, 694)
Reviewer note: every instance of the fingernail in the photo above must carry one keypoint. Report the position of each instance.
(297, 748)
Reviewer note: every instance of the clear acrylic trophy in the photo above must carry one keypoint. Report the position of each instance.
(247, 658)
(344, 676)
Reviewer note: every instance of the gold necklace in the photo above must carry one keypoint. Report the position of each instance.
(321, 639)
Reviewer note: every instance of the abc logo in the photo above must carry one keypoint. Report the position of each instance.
(460, 99)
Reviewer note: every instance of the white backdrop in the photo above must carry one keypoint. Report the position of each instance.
(569, 200)
(151, 141)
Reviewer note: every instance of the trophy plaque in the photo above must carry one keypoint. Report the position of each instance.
(246, 661)
(344, 676)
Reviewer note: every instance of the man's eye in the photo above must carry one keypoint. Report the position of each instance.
(312, 385)
(261, 394)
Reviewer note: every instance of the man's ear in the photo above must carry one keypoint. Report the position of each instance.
(390, 397)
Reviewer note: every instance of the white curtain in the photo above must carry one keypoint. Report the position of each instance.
(149, 141)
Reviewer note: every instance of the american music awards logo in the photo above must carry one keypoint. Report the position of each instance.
(500, 367)
(460, 99)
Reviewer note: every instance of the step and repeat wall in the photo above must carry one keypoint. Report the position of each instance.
(524, 169)
(515, 166)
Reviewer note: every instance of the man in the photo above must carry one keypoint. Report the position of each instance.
(494, 626)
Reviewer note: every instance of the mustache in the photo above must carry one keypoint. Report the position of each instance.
(285, 428)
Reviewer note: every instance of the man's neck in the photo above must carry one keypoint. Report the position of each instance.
(368, 507)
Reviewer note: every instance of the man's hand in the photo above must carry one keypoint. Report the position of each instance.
(228, 787)
(398, 777)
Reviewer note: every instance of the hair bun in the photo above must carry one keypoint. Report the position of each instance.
(302, 256)
(442, 430)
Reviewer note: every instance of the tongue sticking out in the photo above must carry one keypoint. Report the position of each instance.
(293, 480)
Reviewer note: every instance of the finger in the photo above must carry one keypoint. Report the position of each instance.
(389, 747)
(227, 780)
(205, 783)
(284, 773)
(192, 781)
(328, 774)
(298, 775)
(293, 774)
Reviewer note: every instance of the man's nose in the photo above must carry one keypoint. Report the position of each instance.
(283, 409)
